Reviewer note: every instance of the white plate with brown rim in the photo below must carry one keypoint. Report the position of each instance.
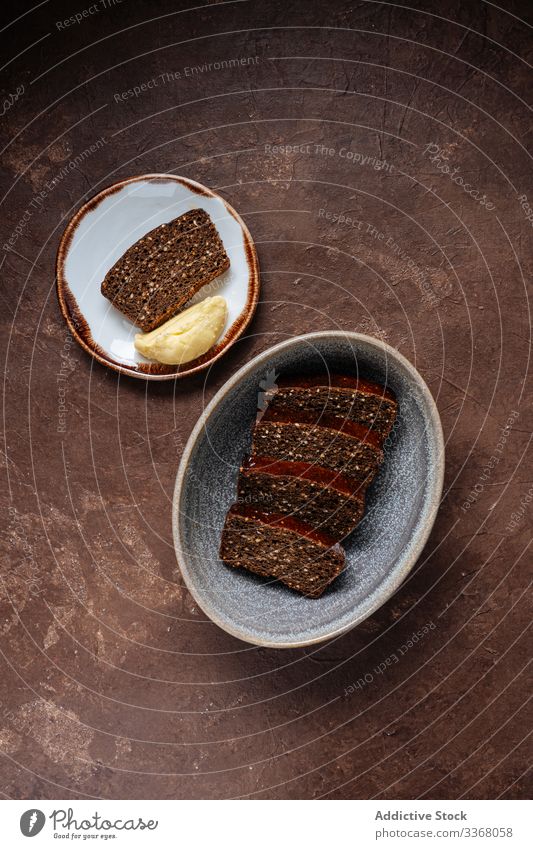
(105, 227)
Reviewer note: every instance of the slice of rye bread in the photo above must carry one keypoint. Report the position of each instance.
(280, 547)
(338, 444)
(337, 395)
(158, 274)
(324, 499)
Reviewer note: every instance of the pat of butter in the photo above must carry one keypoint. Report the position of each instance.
(186, 336)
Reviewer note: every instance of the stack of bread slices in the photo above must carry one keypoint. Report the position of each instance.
(315, 450)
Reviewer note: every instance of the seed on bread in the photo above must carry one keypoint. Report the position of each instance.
(145, 285)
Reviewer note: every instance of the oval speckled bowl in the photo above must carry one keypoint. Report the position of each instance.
(401, 505)
(105, 227)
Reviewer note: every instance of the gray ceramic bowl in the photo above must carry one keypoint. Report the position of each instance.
(401, 506)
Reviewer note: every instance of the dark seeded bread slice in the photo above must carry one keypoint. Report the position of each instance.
(338, 444)
(338, 395)
(157, 275)
(320, 497)
(280, 547)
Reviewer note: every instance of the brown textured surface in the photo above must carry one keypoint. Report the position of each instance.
(112, 682)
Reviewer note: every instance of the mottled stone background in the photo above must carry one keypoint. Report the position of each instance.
(113, 684)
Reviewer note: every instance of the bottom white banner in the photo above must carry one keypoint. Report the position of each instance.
(310, 824)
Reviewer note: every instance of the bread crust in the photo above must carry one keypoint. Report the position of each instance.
(156, 277)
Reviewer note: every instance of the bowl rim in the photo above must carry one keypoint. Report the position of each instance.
(433, 498)
(75, 319)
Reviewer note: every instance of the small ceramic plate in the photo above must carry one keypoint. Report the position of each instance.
(400, 510)
(105, 227)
